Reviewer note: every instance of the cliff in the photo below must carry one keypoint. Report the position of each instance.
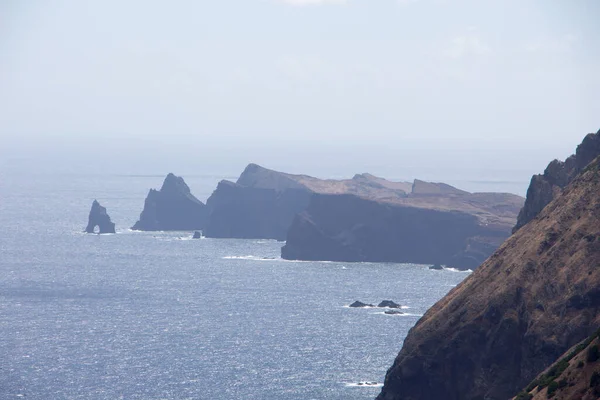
(534, 298)
(434, 223)
(238, 211)
(172, 208)
(98, 217)
(350, 228)
(543, 188)
(263, 203)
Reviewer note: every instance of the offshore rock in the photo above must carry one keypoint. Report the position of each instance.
(389, 304)
(172, 208)
(360, 304)
(393, 312)
(99, 218)
(197, 235)
(544, 188)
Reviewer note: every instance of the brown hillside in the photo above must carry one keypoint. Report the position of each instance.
(537, 296)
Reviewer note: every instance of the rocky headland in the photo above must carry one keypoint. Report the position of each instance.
(172, 208)
(99, 218)
(545, 187)
(529, 303)
(262, 203)
(267, 204)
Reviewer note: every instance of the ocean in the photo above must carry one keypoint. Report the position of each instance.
(160, 316)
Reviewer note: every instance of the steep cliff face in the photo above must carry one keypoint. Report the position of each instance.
(533, 299)
(99, 218)
(172, 208)
(432, 224)
(543, 188)
(238, 211)
(350, 228)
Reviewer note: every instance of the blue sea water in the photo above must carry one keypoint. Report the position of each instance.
(159, 316)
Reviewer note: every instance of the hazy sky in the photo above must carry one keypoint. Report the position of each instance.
(472, 82)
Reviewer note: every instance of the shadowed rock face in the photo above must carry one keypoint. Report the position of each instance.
(237, 211)
(262, 203)
(544, 188)
(350, 228)
(99, 218)
(172, 208)
(533, 299)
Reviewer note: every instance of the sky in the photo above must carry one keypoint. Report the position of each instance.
(378, 85)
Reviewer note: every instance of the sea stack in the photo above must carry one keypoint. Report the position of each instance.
(99, 218)
(172, 208)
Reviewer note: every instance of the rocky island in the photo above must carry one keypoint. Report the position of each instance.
(99, 218)
(518, 314)
(172, 208)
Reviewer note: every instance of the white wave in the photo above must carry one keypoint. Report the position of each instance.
(348, 306)
(276, 259)
(253, 258)
(366, 384)
(265, 241)
(399, 315)
(458, 270)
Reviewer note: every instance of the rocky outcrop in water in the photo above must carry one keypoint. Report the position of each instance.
(544, 188)
(360, 304)
(172, 208)
(100, 219)
(393, 312)
(389, 304)
(533, 299)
